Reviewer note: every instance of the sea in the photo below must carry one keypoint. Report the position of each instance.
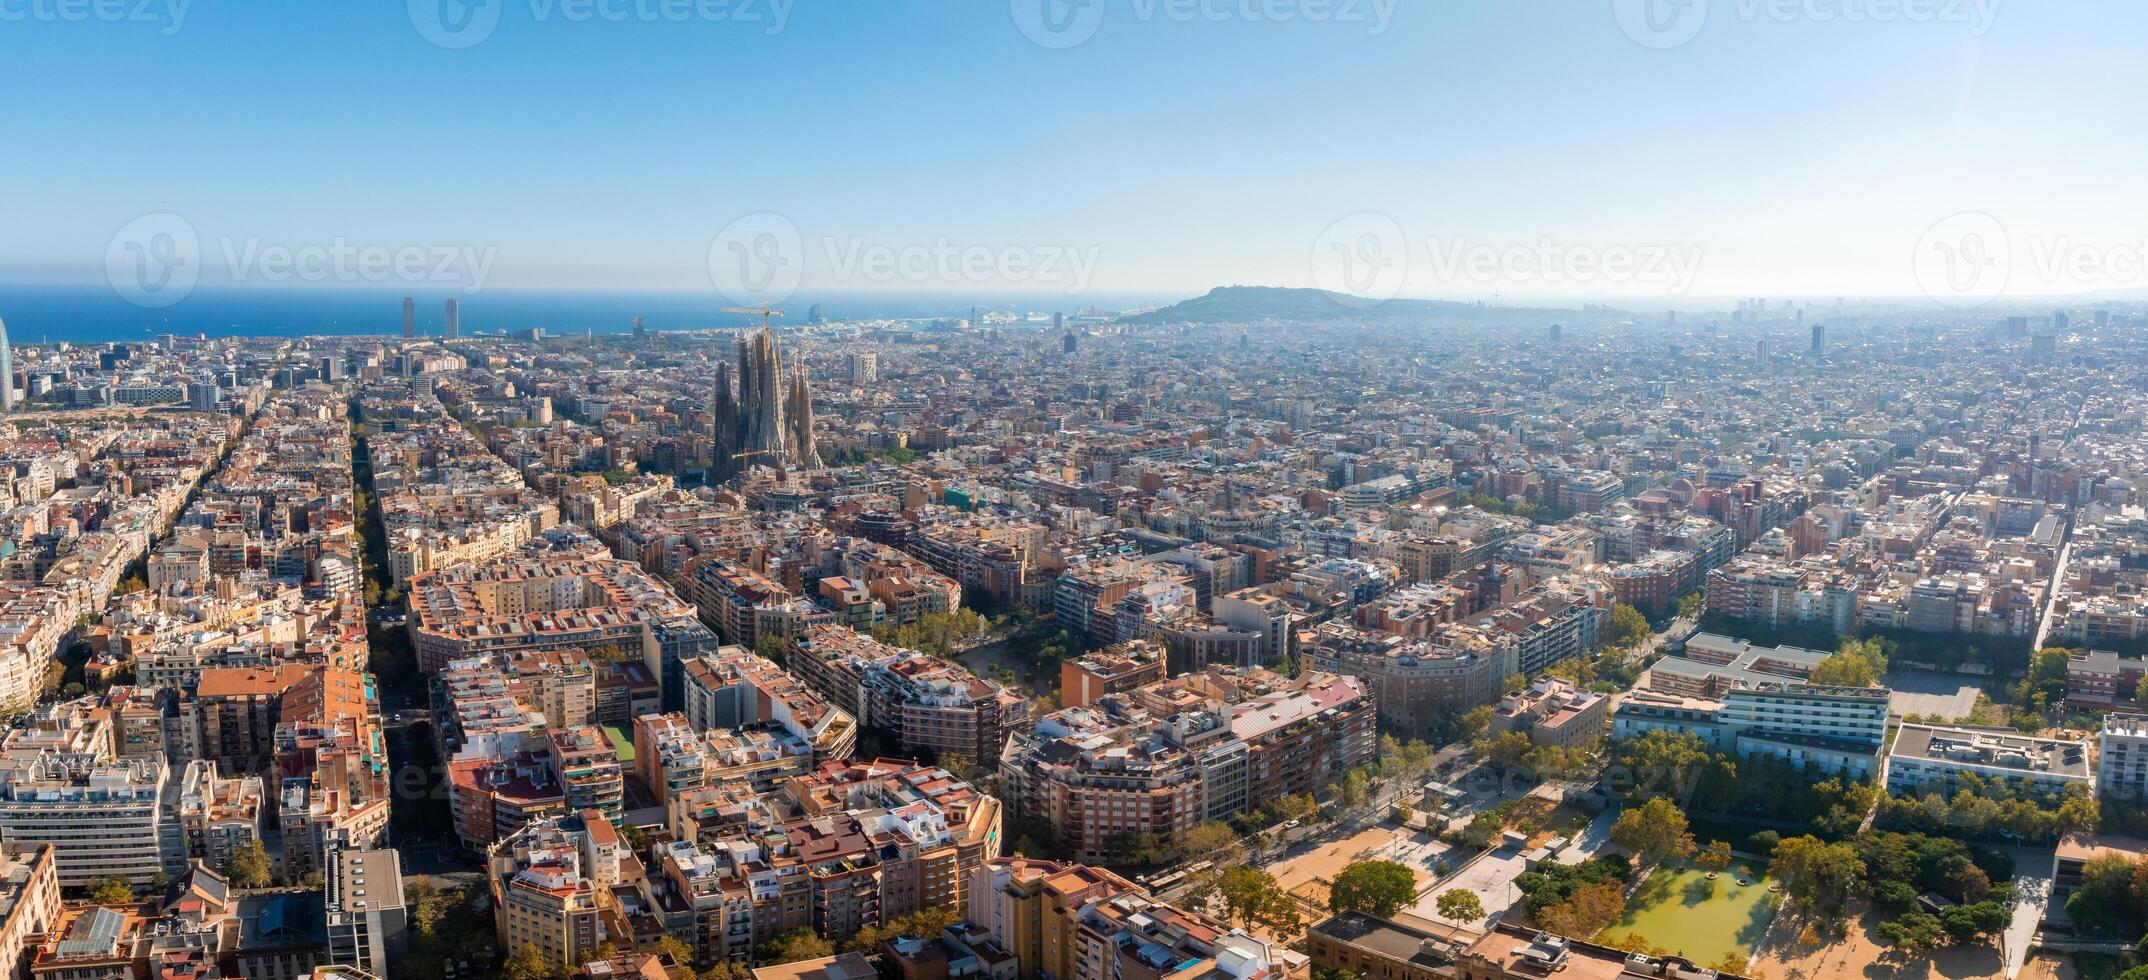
(95, 314)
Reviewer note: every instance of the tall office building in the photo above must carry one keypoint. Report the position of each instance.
(204, 396)
(2059, 321)
(864, 368)
(410, 318)
(454, 321)
(815, 315)
(640, 332)
(1068, 344)
(7, 372)
(1761, 355)
(1558, 333)
(1819, 339)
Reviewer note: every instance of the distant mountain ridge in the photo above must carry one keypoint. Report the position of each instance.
(1240, 304)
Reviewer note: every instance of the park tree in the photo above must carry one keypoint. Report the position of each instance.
(1814, 873)
(1654, 831)
(1483, 829)
(530, 963)
(926, 924)
(1734, 963)
(1715, 857)
(1587, 911)
(1973, 923)
(426, 905)
(1251, 897)
(1213, 841)
(112, 891)
(1376, 888)
(1668, 764)
(1912, 933)
(1626, 629)
(248, 866)
(793, 946)
(1844, 670)
(1458, 905)
(1506, 750)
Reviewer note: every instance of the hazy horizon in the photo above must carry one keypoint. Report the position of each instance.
(1526, 151)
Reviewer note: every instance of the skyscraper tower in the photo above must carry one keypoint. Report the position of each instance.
(454, 321)
(640, 332)
(7, 372)
(1819, 339)
(1068, 344)
(410, 318)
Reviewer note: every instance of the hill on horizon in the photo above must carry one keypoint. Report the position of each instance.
(1239, 304)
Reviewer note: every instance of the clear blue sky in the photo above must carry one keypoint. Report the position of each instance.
(1805, 158)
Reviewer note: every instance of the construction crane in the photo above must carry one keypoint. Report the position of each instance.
(767, 315)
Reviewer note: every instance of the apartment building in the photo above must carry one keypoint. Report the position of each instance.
(926, 702)
(551, 887)
(1162, 759)
(587, 765)
(1712, 664)
(1417, 682)
(1933, 759)
(29, 902)
(1827, 729)
(367, 918)
(2122, 757)
(735, 688)
(1552, 712)
(1121, 667)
